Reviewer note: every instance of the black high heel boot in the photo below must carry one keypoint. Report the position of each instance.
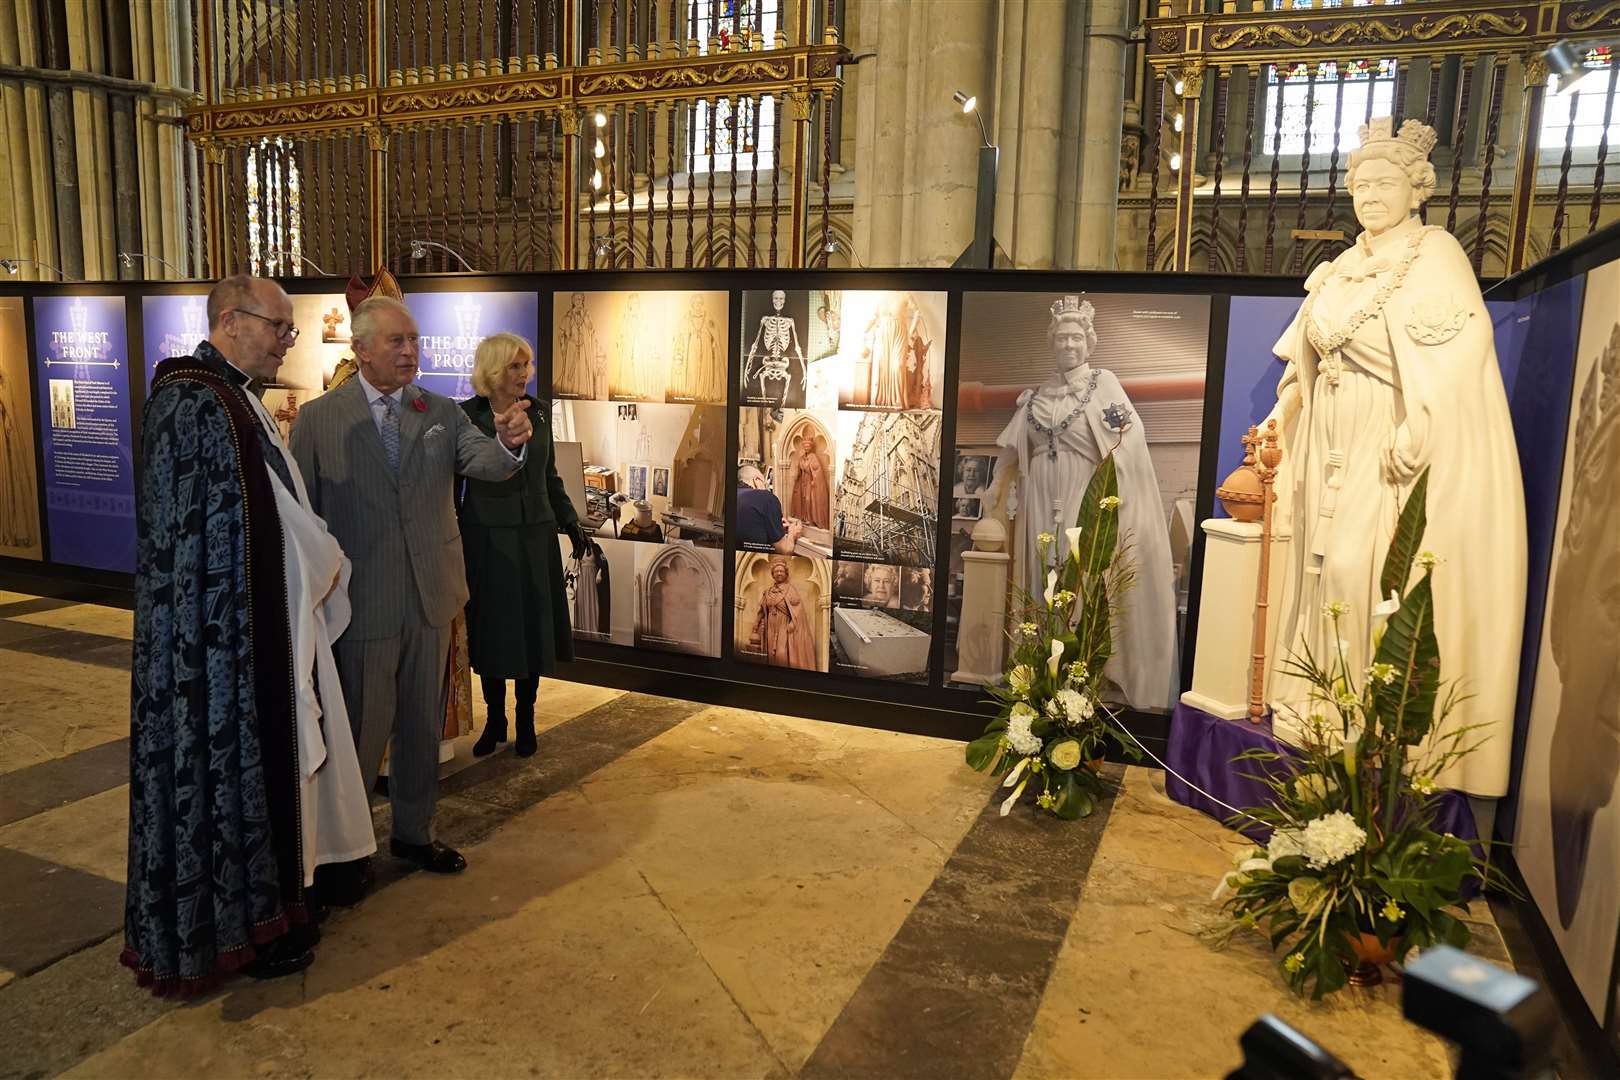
(494, 732)
(524, 715)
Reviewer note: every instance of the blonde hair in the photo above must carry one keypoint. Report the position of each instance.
(494, 353)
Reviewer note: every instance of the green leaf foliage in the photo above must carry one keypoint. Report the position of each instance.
(1099, 528)
(1403, 546)
(983, 751)
(1406, 706)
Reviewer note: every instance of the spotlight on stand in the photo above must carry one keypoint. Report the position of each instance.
(981, 254)
(10, 266)
(127, 258)
(14, 267)
(419, 251)
(276, 253)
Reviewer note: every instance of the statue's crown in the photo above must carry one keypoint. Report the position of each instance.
(1414, 133)
(1073, 305)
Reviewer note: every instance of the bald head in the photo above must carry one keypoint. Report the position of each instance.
(250, 321)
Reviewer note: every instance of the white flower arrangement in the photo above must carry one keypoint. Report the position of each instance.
(1332, 837)
(1023, 741)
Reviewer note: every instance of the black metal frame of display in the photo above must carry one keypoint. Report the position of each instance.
(933, 708)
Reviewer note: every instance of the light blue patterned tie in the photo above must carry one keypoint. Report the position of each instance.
(390, 432)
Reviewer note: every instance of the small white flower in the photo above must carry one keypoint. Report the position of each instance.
(1335, 609)
(1283, 843)
(1028, 629)
(1423, 785)
(1381, 673)
(1045, 538)
(1023, 741)
(1077, 673)
(1330, 838)
(1109, 502)
(1077, 708)
(1427, 559)
(1062, 598)
(1347, 700)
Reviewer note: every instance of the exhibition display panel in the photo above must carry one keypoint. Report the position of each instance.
(831, 486)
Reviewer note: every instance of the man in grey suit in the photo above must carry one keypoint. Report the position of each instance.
(380, 457)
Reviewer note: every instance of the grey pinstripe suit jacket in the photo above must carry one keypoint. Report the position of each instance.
(401, 532)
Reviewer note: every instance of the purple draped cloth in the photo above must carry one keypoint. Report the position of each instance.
(1202, 748)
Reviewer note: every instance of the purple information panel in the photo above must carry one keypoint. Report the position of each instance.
(452, 325)
(171, 326)
(81, 369)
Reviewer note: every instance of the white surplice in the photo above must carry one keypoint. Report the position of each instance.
(334, 812)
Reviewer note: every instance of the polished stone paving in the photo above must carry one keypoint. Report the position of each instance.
(665, 889)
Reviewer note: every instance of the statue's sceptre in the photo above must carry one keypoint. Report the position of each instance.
(1247, 495)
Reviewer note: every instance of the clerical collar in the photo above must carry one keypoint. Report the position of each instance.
(210, 354)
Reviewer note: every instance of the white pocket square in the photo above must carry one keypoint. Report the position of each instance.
(436, 429)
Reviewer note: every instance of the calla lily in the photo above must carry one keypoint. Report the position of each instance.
(1074, 541)
(1229, 879)
(1057, 655)
(1007, 804)
(1012, 778)
(1381, 614)
(1051, 585)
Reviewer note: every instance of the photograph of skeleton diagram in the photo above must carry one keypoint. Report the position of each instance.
(887, 353)
(782, 605)
(875, 635)
(887, 498)
(774, 365)
(640, 346)
(1054, 382)
(785, 469)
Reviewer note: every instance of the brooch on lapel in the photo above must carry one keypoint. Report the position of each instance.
(419, 404)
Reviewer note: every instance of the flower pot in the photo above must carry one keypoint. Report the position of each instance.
(1373, 955)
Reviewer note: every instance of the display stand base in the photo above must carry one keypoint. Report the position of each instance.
(1201, 748)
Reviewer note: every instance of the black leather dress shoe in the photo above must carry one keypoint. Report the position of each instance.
(434, 858)
(343, 884)
(284, 956)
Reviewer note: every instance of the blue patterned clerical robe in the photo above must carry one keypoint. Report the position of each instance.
(214, 861)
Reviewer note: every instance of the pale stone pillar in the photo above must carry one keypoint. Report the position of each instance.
(1033, 241)
(947, 153)
(882, 160)
(1098, 204)
(17, 209)
(1226, 615)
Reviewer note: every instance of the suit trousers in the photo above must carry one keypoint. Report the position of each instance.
(395, 688)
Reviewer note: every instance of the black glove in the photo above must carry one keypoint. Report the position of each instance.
(576, 539)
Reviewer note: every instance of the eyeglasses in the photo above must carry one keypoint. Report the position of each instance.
(283, 329)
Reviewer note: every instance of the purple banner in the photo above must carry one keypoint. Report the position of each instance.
(171, 326)
(81, 369)
(452, 325)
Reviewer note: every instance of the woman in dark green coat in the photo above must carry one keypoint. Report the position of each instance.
(517, 617)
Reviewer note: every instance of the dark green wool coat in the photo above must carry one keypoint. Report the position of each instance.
(517, 617)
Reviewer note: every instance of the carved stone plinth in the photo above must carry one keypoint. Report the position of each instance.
(981, 637)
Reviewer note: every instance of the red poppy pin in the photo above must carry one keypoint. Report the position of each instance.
(419, 404)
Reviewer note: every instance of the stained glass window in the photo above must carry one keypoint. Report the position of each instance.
(1588, 90)
(745, 126)
(1288, 86)
(274, 211)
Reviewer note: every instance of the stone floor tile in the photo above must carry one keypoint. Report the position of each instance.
(88, 618)
(49, 910)
(59, 781)
(91, 834)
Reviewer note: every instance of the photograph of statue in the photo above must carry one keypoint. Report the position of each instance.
(898, 361)
(1567, 840)
(678, 598)
(637, 367)
(809, 479)
(1390, 369)
(782, 610)
(697, 370)
(19, 492)
(917, 588)
(575, 350)
(590, 580)
(1049, 384)
(888, 487)
(774, 366)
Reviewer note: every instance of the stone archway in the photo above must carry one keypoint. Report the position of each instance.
(679, 602)
(786, 448)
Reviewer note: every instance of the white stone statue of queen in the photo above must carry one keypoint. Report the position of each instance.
(1391, 367)
(1060, 431)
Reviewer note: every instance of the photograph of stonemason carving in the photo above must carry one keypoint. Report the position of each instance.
(832, 540)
